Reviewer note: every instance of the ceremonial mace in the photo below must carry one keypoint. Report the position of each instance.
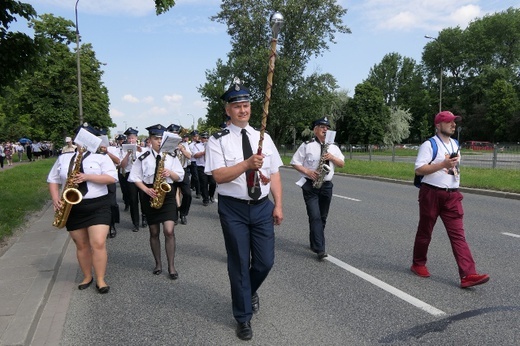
(276, 24)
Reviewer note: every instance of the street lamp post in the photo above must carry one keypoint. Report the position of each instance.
(440, 74)
(80, 97)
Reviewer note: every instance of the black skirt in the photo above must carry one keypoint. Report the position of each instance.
(90, 212)
(168, 211)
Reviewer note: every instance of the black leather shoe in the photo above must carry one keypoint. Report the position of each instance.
(113, 232)
(103, 290)
(197, 196)
(322, 255)
(244, 331)
(144, 224)
(127, 207)
(183, 220)
(255, 303)
(136, 228)
(157, 271)
(205, 203)
(174, 276)
(85, 286)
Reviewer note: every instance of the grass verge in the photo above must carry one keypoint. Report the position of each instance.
(507, 180)
(23, 190)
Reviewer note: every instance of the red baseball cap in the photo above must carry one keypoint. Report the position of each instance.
(446, 117)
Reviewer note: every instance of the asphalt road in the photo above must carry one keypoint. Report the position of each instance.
(363, 294)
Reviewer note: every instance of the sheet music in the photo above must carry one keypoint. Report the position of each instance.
(330, 136)
(131, 147)
(170, 141)
(88, 140)
(104, 141)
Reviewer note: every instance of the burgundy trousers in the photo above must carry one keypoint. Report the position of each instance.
(448, 205)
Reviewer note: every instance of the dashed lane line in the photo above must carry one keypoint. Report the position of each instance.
(511, 234)
(390, 289)
(349, 198)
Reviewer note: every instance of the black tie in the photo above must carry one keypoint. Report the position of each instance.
(253, 187)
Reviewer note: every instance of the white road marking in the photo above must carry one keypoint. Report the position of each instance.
(390, 289)
(511, 234)
(350, 199)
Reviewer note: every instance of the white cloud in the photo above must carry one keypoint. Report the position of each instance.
(130, 99)
(148, 99)
(173, 99)
(465, 14)
(405, 15)
(114, 113)
(157, 111)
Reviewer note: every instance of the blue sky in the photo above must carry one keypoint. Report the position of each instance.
(154, 64)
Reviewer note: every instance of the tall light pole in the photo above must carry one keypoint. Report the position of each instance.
(80, 97)
(440, 74)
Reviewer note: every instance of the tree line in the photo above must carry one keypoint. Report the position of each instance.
(479, 68)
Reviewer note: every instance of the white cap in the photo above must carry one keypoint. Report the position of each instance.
(68, 139)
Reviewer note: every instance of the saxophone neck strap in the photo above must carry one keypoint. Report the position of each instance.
(71, 163)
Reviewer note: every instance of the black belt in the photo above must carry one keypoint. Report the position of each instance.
(245, 201)
(440, 188)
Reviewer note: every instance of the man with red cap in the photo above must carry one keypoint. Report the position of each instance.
(439, 195)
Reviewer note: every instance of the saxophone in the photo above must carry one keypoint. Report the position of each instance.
(323, 168)
(160, 185)
(71, 195)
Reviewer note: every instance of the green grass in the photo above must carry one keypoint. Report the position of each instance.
(507, 180)
(23, 190)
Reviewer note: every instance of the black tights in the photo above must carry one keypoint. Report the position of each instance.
(169, 244)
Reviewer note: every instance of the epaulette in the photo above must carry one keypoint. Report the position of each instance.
(312, 140)
(219, 134)
(69, 152)
(260, 129)
(172, 154)
(144, 156)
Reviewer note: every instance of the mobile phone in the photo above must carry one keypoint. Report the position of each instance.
(455, 154)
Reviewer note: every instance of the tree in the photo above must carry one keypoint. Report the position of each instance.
(309, 27)
(17, 50)
(402, 83)
(473, 59)
(45, 100)
(504, 107)
(366, 117)
(398, 127)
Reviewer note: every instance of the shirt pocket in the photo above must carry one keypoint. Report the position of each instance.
(310, 161)
(233, 157)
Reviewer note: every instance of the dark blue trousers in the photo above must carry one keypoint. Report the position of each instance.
(317, 202)
(249, 238)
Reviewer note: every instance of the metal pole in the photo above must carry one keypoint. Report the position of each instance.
(80, 96)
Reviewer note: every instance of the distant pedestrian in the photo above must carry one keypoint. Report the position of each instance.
(69, 146)
(439, 195)
(315, 160)
(8, 151)
(2, 155)
(29, 151)
(19, 151)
